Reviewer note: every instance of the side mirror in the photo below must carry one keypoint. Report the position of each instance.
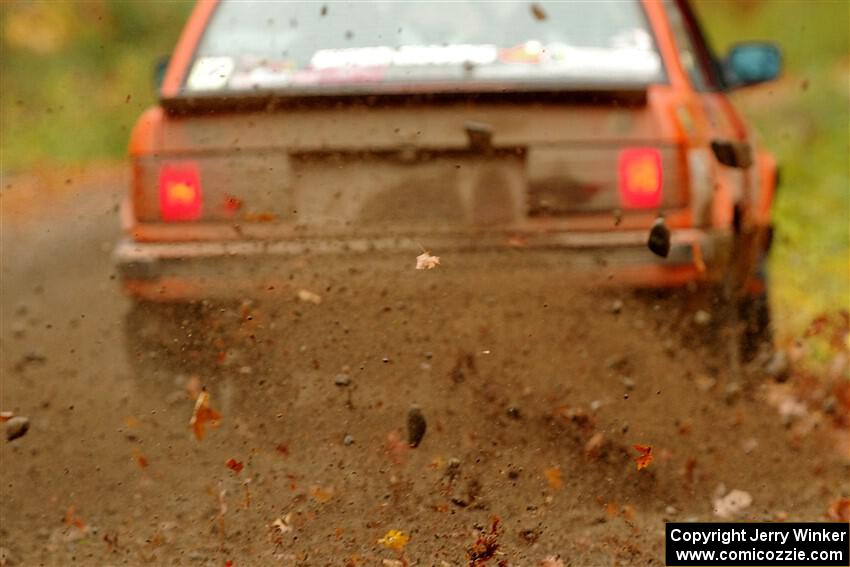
(751, 63)
(159, 69)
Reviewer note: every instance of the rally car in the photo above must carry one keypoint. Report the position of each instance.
(291, 129)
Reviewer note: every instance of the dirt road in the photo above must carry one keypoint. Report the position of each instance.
(534, 389)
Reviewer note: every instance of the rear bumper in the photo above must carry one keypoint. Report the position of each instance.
(197, 270)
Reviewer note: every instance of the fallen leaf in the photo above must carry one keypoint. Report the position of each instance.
(645, 456)
(395, 540)
(321, 494)
(283, 525)
(486, 546)
(203, 414)
(554, 477)
(72, 519)
(839, 510)
(538, 12)
(141, 460)
(235, 465)
(309, 297)
(232, 204)
(731, 504)
(426, 261)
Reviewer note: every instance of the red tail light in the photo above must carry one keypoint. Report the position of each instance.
(640, 178)
(180, 191)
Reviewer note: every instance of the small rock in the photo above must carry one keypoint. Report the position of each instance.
(513, 412)
(750, 445)
(671, 510)
(416, 426)
(615, 307)
(778, 367)
(628, 383)
(348, 440)
(342, 380)
(702, 318)
(17, 427)
(529, 535)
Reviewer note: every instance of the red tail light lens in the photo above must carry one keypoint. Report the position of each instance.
(180, 192)
(640, 177)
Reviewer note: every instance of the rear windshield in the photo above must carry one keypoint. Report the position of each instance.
(379, 46)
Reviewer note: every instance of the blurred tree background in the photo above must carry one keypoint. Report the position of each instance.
(74, 76)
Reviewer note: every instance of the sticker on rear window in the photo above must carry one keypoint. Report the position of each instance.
(210, 73)
(405, 55)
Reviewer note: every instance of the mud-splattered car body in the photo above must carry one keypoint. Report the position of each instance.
(227, 184)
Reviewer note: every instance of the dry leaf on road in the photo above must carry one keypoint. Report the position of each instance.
(839, 511)
(309, 297)
(395, 540)
(731, 504)
(202, 415)
(642, 461)
(426, 261)
(554, 477)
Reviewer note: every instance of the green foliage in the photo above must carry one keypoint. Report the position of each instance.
(75, 76)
